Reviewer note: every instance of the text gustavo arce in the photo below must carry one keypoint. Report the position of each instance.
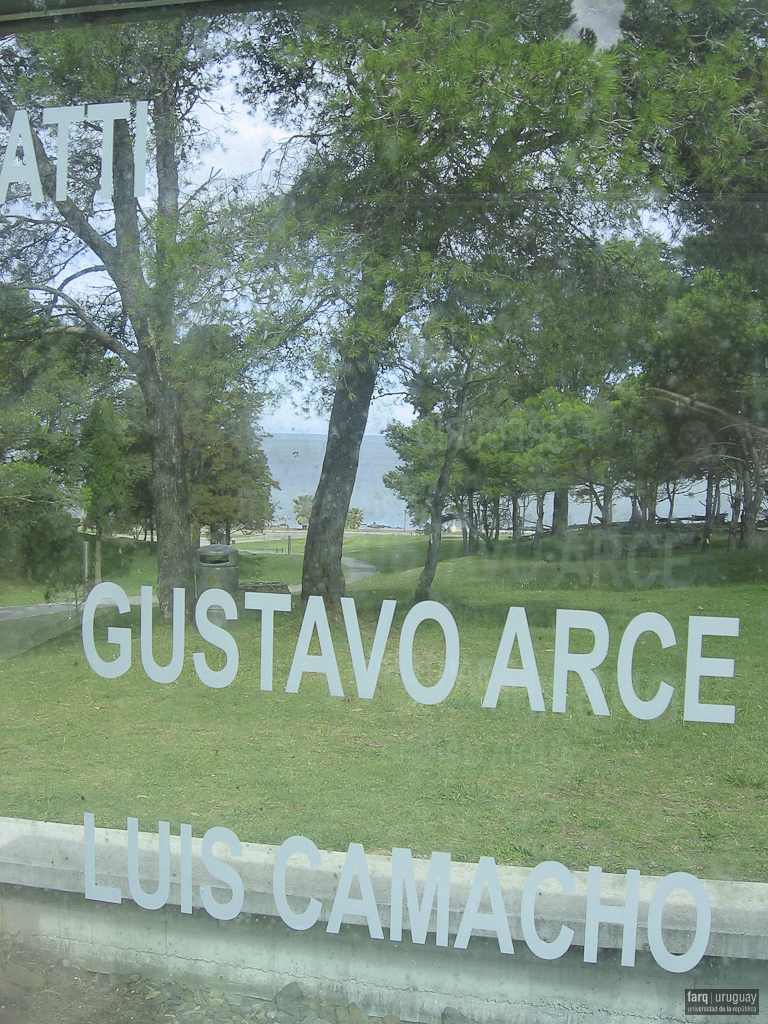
(436, 891)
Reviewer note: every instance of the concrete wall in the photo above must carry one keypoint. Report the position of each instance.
(42, 903)
(23, 628)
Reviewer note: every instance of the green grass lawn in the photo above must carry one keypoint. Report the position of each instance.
(272, 543)
(14, 592)
(131, 563)
(660, 796)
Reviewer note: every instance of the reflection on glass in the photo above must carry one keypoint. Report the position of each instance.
(383, 447)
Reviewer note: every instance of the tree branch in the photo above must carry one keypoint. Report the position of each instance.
(109, 254)
(712, 412)
(93, 330)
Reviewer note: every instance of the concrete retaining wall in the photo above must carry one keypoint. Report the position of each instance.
(23, 628)
(42, 903)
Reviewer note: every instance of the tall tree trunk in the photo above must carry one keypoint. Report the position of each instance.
(736, 502)
(150, 308)
(651, 501)
(754, 487)
(515, 520)
(488, 527)
(537, 533)
(474, 540)
(427, 576)
(97, 557)
(641, 502)
(671, 495)
(322, 573)
(560, 512)
(634, 512)
(709, 508)
(749, 514)
(606, 510)
(437, 504)
(169, 490)
(606, 518)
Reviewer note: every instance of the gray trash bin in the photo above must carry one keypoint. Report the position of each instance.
(216, 568)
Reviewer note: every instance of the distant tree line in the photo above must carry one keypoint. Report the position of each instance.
(302, 513)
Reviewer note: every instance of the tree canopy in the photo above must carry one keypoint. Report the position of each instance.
(112, 267)
(555, 250)
(435, 134)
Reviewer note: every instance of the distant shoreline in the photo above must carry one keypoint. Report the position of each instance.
(295, 461)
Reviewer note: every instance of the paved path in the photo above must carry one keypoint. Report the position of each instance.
(354, 570)
(24, 626)
(357, 570)
(25, 611)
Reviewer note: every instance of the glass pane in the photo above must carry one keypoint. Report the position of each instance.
(382, 514)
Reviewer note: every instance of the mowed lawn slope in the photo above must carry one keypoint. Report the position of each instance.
(661, 796)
